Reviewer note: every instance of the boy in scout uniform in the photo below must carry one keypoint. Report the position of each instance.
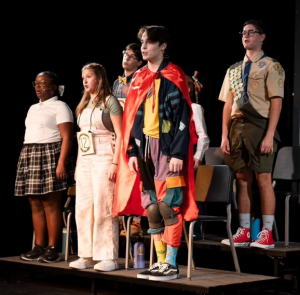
(131, 61)
(253, 90)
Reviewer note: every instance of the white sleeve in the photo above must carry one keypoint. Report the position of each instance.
(64, 114)
(203, 139)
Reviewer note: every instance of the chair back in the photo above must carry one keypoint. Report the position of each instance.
(214, 184)
(215, 156)
(287, 164)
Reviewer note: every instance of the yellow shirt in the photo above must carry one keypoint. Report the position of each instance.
(151, 117)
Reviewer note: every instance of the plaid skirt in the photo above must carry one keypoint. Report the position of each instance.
(36, 170)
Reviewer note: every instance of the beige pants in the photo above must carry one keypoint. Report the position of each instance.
(97, 230)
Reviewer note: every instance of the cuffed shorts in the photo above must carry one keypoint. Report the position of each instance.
(245, 140)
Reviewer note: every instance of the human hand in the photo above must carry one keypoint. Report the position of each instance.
(133, 164)
(175, 165)
(225, 145)
(266, 146)
(112, 172)
(197, 163)
(61, 172)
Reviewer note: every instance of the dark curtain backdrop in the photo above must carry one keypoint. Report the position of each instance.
(63, 38)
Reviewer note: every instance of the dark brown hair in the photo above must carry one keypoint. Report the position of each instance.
(136, 48)
(258, 24)
(155, 34)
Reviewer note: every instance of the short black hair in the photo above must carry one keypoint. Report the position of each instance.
(52, 76)
(136, 48)
(258, 24)
(54, 80)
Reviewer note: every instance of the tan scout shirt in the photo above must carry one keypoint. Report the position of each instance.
(265, 80)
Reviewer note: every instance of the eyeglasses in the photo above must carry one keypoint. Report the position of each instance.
(249, 33)
(129, 57)
(42, 83)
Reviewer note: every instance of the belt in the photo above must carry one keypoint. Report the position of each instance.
(242, 119)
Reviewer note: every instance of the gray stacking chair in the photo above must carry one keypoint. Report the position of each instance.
(213, 185)
(287, 169)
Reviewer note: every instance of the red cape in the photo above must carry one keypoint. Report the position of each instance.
(127, 199)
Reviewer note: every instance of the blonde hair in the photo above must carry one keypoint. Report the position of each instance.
(103, 89)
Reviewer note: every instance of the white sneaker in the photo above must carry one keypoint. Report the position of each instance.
(82, 263)
(106, 265)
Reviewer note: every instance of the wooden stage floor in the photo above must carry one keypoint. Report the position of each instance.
(204, 281)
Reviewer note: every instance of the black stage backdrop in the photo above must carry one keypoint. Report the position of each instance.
(205, 37)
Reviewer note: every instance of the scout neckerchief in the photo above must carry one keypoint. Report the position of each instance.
(238, 85)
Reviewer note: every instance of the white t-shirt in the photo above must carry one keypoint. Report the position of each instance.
(42, 120)
(203, 139)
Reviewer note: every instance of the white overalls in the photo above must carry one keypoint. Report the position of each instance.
(97, 230)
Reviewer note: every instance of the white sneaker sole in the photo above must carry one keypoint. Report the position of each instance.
(29, 259)
(115, 267)
(163, 278)
(81, 267)
(226, 242)
(145, 277)
(257, 245)
(106, 269)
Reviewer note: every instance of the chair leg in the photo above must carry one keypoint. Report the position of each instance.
(187, 241)
(33, 239)
(229, 233)
(190, 250)
(275, 230)
(202, 226)
(287, 220)
(124, 226)
(64, 213)
(68, 237)
(128, 242)
(151, 251)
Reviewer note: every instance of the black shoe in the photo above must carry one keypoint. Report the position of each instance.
(166, 272)
(33, 254)
(50, 255)
(146, 273)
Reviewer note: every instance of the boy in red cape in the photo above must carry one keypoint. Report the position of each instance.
(156, 174)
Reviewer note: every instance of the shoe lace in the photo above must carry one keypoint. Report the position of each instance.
(33, 251)
(154, 265)
(48, 250)
(239, 232)
(163, 267)
(263, 236)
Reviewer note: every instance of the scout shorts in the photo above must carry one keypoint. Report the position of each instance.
(245, 139)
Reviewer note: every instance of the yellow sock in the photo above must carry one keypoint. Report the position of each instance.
(161, 251)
